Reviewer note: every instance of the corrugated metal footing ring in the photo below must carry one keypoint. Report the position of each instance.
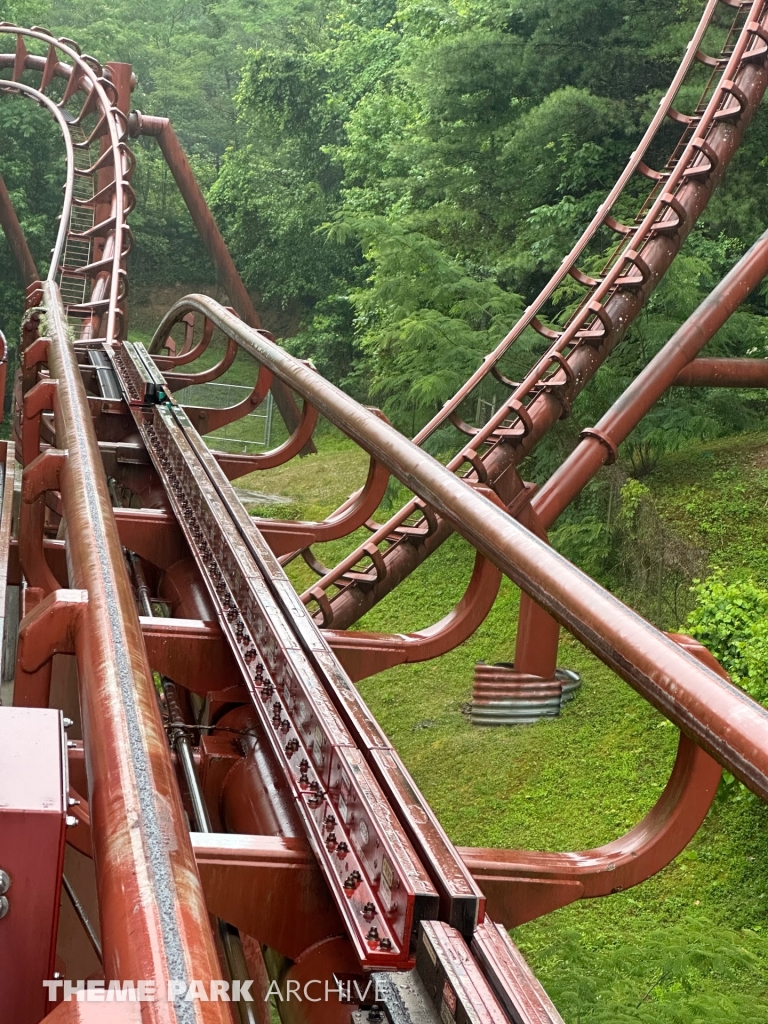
(502, 696)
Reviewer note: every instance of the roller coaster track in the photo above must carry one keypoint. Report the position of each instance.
(232, 812)
(680, 190)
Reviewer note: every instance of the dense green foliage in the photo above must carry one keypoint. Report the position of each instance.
(442, 158)
(397, 178)
(731, 620)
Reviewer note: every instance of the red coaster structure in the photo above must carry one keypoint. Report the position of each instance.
(193, 791)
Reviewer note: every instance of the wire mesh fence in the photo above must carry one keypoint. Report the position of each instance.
(246, 434)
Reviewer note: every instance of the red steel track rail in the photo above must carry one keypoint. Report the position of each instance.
(691, 695)
(680, 192)
(204, 689)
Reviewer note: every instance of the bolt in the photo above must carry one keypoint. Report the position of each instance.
(71, 743)
(5, 882)
(68, 722)
(375, 1016)
(4, 906)
(71, 802)
(71, 821)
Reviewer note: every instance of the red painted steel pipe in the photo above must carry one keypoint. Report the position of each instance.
(15, 238)
(168, 141)
(724, 373)
(667, 368)
(161, 129)
(537, 633)
(718, 716)
(154, 921)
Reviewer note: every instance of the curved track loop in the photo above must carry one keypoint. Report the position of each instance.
(94, 240)
(648, 244)
(133, 785)
(145, 866)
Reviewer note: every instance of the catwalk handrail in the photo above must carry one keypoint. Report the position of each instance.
(717, 715)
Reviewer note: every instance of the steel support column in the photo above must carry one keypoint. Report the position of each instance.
(16, 239)
(168, 141)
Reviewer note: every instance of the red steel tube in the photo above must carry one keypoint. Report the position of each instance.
(537, 633)
(665, 369)
(161, 129)
(724, 373)
(15, 237)
(718, 716)
(121, 76)
(622, 307)
(154, 922)
(168, 141)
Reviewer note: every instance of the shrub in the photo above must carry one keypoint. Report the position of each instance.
(731, 620)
